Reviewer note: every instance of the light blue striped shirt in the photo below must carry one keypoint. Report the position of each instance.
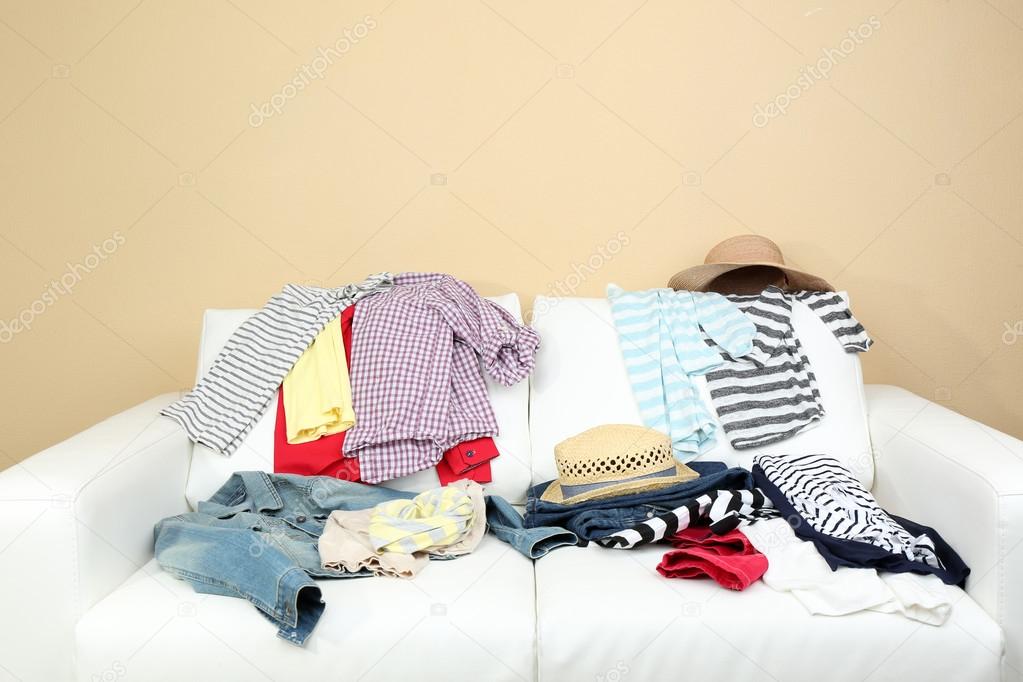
(661, 333)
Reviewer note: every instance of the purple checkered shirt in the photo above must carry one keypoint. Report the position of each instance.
(417, 388)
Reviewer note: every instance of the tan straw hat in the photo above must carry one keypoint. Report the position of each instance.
(745, 265)
(612, 460)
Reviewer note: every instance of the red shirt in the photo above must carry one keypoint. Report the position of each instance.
(323, 456)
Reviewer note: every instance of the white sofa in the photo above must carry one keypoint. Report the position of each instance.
(84, 598)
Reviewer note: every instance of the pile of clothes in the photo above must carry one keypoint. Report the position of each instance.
(376, 380)
(265, 538)
(804, 524)
(383, 378)
(760, 381)
(729, 320)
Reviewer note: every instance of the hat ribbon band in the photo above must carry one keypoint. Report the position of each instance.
(573, 490)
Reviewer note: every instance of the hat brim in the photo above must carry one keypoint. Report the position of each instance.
(700, 277)
(554, 492)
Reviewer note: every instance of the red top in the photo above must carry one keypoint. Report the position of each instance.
(323, 456)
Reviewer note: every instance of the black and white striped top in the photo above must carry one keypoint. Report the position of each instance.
(771, 393)
(722, 510)
(829, 498)
(230, 398)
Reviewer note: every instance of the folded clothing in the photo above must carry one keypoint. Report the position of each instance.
(719, 510)
(795, 566)
(431, 519)
(320, 457)
(345, 546)
(317, 393)
(280, 518)
(827, 505)
(323, 456)
(473, 535)
(730, 559)
(416, 380)
(594, 519)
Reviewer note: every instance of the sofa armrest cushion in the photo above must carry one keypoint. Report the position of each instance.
(965, 479)
(78, 520)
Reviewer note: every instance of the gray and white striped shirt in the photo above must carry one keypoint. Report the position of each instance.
(231, 397)
(771, 393)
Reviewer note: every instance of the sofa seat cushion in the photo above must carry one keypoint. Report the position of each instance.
(466, 619)
(608, 615)
(580, 382)
(511, 471)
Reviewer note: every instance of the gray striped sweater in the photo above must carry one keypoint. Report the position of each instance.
(231, 397)
(771, 393)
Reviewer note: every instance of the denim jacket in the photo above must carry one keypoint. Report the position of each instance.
(256, 539)
(596, 518)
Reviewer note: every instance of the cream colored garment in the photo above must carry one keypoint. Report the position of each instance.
(435, 518)
(345, 546)
(317, 390)
(795, 565)
(477, 527)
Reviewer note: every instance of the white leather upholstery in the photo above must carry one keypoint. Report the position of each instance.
(580, 382)
(511, 470)
(76, 536)
(607, 615)
(75, 521)
(966, 480)
(467, 619)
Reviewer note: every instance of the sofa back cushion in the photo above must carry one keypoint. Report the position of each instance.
(511, 471)
(580, 382)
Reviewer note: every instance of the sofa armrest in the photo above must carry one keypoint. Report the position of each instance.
(77, 520)
(964, 479)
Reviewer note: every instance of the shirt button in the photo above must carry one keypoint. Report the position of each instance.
(650, 515)
(300, 518)
(470, 453)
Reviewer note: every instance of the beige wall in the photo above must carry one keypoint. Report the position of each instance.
(510, 143)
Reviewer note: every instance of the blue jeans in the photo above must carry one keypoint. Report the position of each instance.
(507, 524)
(596, 518)
(256, 539)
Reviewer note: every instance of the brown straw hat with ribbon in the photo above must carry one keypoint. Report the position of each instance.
(612, 460)
(745, 265)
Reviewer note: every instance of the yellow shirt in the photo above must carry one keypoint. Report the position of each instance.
(317, 390)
